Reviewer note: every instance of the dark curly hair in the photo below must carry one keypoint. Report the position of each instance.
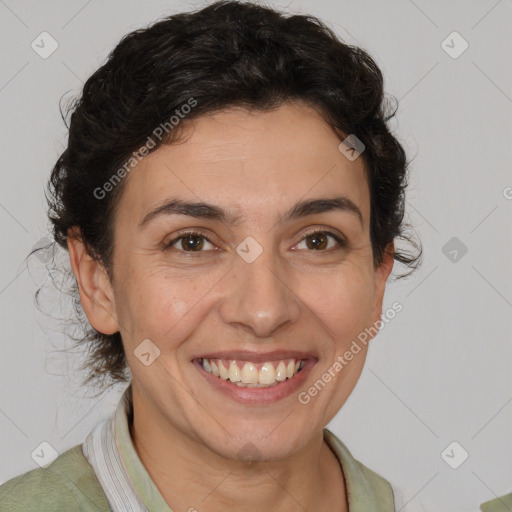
(228, 54)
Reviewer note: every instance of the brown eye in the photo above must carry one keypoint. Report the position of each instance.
(190, 242)
(319, 240)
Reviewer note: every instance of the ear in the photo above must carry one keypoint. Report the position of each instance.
(94, 286)
(380, 279)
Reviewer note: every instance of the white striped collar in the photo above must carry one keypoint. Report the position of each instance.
(124, 479)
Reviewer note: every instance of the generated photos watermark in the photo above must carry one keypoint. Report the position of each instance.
(304, 397)
(159, 132)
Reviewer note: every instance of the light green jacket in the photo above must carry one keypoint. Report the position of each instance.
(69, 484)
(503, 504)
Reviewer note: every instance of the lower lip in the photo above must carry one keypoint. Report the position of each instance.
(258, 396)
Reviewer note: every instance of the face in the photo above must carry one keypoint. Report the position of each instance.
(257, 285)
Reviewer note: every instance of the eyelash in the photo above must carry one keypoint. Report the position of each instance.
(184, 234)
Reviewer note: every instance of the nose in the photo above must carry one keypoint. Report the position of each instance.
(260, 298)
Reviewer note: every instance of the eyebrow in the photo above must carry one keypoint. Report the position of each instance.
(202, 210)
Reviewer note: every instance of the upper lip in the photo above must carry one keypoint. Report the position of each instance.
(256, 357)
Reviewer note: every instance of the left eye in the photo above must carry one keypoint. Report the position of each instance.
(319, 240)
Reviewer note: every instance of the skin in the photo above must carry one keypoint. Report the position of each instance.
(188, 435)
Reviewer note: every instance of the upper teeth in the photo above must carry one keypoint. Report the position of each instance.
(268, 374)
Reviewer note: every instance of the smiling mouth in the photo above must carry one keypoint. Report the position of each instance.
(253, 375)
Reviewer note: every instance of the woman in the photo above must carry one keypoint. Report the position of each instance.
(229, 196)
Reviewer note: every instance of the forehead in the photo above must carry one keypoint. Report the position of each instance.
(256, 162)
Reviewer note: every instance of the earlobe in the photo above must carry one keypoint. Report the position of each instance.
(95, 288)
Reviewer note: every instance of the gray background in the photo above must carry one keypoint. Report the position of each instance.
(439, 372)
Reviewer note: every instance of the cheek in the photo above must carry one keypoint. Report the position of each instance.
(342, 302)
(164, 307)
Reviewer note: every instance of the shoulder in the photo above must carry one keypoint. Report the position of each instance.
(501, 504)
(367, 489)
(68, 483)
(356, 470)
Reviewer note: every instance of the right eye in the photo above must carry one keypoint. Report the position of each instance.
(191, 241)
